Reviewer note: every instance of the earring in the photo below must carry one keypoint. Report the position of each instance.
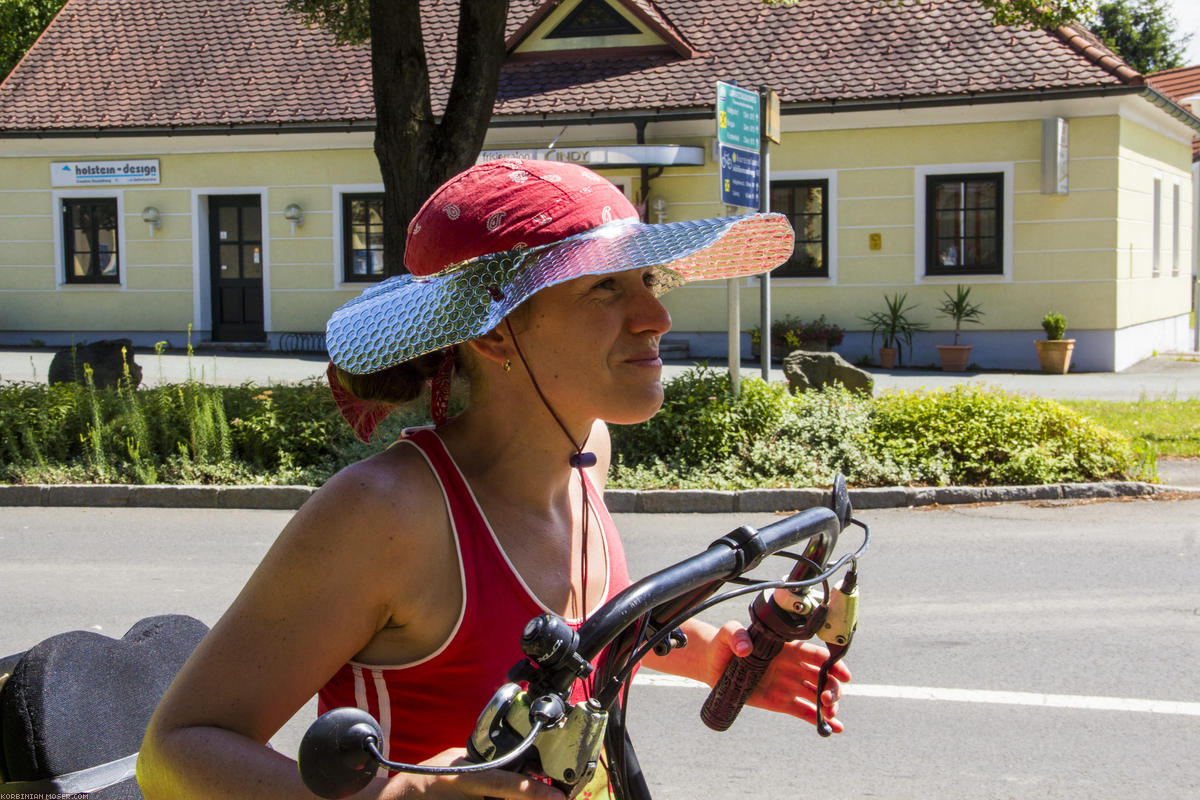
(507, 365)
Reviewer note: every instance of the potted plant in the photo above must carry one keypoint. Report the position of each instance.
(792, 333)
(1054, 353)
(893, 326)
(955, 357)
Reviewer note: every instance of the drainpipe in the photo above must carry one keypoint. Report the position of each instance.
(643, 198)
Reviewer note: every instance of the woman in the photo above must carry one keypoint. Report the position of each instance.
(403, 584)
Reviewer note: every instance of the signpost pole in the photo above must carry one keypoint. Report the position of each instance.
(770, 119)
(738, 143)
(764, 280)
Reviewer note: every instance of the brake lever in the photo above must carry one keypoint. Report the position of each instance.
(837, 631)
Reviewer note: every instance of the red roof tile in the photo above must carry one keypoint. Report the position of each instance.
(1180, 84)
(143, 63)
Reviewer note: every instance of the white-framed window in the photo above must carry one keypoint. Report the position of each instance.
(809, 199)
(89, 238)
(362, 237)
(806, 205)
(1175, 230)
(357, 247)
(963, 221)
(1156, 224)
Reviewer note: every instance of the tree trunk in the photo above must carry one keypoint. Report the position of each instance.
(416, 153)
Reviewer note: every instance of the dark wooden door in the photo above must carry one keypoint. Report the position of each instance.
(235, 245)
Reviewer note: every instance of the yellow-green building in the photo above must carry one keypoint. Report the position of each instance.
(187, 164)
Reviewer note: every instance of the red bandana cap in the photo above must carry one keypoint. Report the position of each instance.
(509, 204)
(490, 208)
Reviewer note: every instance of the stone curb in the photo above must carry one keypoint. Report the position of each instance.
(619, 501)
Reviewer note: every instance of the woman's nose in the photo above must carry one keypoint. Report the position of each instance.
(649, 315)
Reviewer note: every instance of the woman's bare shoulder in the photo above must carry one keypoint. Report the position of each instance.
(395, 481)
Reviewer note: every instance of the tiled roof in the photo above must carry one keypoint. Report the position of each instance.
(1180, 84)
(146, 63)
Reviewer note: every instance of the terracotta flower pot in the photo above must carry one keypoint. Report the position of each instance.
(887, 357)
(955, 357)
(1055, 354)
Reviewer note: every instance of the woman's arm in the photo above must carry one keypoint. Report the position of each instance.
(336, 575)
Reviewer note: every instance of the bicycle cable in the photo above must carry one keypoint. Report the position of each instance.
(458, 769)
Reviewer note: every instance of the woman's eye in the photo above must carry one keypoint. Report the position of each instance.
(606, 284)
(651, 279)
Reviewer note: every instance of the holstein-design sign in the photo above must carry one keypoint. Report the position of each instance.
(103, 173)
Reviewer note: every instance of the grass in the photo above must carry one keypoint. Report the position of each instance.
(1156, 427)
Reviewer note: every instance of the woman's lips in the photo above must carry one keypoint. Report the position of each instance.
(650, 359)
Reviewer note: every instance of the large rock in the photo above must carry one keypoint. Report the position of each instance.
(105, 358)
(806, 369)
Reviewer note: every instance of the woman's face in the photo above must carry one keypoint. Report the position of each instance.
(592, 344)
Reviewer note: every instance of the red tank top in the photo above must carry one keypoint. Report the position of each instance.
(430, 705)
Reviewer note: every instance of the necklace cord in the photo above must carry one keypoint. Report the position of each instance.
(578, 462)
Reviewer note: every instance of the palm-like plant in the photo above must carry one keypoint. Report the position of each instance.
(893, 325)
(960, 309)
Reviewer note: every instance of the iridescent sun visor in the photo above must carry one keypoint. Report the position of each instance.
(405, 316)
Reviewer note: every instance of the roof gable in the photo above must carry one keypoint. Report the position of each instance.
(562, 29)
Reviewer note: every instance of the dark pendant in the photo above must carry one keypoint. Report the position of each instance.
(583, 460)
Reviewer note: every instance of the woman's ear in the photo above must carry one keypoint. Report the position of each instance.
(493, 346)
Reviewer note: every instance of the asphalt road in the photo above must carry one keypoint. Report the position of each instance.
(1003, 651)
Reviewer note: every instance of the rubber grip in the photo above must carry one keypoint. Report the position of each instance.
(738, 680)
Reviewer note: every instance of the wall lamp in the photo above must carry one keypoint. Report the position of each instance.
(658, 205)
(295, 215)
(151, 217)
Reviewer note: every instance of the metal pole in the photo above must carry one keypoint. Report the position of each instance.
(764, 284)
(734, 312)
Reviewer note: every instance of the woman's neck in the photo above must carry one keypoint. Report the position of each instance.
(517, 450)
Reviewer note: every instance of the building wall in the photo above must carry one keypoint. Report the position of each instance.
(164, 282)
(1087, 254)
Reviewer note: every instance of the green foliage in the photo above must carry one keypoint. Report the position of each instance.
(1036, 13)
(348, 20)
(187, 432)
(793, 332)
(1055, 325)
(893, 325)
(1143, 32)
(973, 435)
(21, 23)
(1025, 13)
(707, 437)
(960, 309)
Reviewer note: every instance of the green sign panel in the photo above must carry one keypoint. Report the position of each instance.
(737, 117)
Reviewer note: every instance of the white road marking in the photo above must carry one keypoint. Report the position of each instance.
(1082, 702)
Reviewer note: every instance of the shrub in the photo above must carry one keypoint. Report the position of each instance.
(1055, 325)
(704, 437)
(972, 435)
(794, 332)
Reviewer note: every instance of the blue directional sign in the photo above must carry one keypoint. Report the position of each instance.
(739, 177)
(738, 142)
(738, 117)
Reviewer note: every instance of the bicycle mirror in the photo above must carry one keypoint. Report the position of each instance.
(840, 501)
(333, 758)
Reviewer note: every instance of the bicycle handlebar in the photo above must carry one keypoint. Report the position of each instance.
(725, 558)
(340, 751)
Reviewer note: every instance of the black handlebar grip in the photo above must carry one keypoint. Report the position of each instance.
(740, 677)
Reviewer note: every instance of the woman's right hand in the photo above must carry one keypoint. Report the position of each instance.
(495, 783)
